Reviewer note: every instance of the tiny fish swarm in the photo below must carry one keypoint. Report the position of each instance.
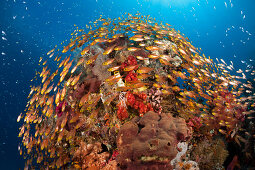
(120, 69)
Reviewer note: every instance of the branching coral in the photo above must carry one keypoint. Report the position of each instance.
(178, 162)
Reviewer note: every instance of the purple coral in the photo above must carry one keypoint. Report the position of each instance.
(59, 111)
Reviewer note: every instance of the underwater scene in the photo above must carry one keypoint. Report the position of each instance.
(127, 85)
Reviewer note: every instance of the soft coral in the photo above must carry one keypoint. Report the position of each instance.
(137, 101)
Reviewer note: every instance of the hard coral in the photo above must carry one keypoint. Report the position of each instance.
(152, 140)
(210, 154)
(90, 156)
(179, 163)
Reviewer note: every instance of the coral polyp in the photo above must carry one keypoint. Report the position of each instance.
(124, 94)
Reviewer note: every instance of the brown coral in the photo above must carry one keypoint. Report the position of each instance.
(90, 156)
(150, 141)
(210, 154)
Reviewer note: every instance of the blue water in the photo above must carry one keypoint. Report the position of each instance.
(29, 29)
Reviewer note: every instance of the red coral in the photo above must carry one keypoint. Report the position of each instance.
(130, 98)
(131, 76)
(114, 155)
(122, 111)
(131, 60)
(195, 122)
(137, 101)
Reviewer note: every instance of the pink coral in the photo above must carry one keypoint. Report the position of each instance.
(195, 123)
(59, 111)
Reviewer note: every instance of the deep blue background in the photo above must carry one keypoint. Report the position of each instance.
(29, 29)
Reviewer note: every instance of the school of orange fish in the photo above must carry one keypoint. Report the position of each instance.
(133, 54)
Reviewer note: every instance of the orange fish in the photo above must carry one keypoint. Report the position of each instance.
(139, 85)
(114, 68)
(137, 39)
(62, 62)
(144, 70)
(165, 62)
(110, 99)
(182, 51)
(118, 48)
(109, 61)
(74, 68)
(109, 50)
(130, 68)
(112, 78)
(76, 79)
(85, 50)
(176, 88)
(133, 49)
(66, 48)
(57, 98)
(63, 75)
(92, 59)
(81, 60)
(143, 76)
(156, 85)
(152, 48)
(123, 88)
(158, 42)
(84, 99)
(153, 56)
(140, 58)
(142, 44)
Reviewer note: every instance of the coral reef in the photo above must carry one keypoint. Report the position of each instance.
(133, 92)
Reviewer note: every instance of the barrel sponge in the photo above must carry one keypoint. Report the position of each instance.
(150, 140)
